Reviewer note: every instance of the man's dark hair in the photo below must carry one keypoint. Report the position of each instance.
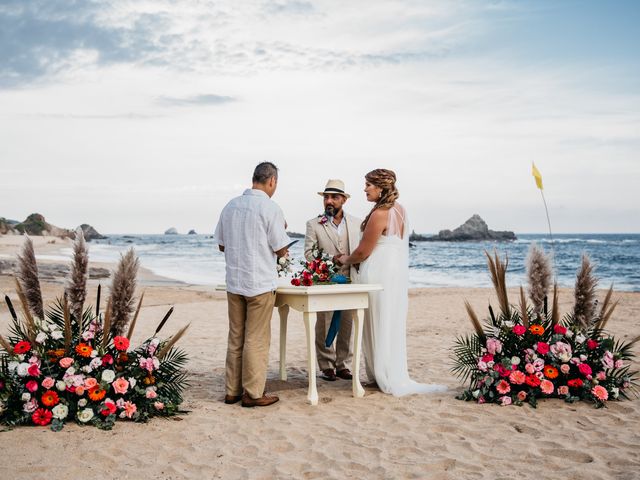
(264, 171)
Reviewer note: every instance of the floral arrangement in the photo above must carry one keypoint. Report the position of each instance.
(283, 266)
(69, 363)
(319, 270)
(527, 352)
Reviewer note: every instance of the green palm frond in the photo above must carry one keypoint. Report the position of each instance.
(465, 357)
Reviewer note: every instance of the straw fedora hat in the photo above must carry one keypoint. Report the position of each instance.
(335, 186)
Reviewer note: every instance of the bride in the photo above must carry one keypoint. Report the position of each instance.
(383, 253)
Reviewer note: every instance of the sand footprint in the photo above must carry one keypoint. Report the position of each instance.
(565, 454)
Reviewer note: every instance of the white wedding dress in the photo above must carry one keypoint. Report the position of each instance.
(385, 336)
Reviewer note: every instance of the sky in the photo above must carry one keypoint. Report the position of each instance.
(137, 116)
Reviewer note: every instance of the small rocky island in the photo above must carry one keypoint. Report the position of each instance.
(171, 231)
(474, 229)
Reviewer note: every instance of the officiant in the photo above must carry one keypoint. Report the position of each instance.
(335, 232)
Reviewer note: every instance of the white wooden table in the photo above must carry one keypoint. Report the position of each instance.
(322, 298)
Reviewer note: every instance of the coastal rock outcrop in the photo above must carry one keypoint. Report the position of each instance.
(192, 232)
(7, 227)
(35, 224)
(474, 229)
(90, 233)
(171, 231)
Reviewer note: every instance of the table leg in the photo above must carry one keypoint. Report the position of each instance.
(284, 313)
(310, 327)
(358, 391)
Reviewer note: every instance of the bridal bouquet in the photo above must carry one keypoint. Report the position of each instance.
(68, 363)
(319, 270)
(527, 352)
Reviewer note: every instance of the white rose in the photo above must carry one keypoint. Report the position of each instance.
(26, 397)
(94, 353)
(60, 411)
(108, 376)
(96, 363)
(71, 371)
(41, 338)
(615, 391)
(515, 360)
(85, 415)
(12, 366)
(56, 334)
(580, 338)
(23, 369)
(132, 382)
(82, 402)
(61, 385)
(87, 369)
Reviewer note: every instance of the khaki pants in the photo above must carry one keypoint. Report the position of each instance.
(248, 344)
(339, 357)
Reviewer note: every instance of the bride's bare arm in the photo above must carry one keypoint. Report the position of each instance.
(372, 232)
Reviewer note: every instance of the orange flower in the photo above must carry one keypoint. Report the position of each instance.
(150, 380)
(96, 393)
(536, 329)
(50, 398)
(550, 372)
(84, 350)
(121, 343)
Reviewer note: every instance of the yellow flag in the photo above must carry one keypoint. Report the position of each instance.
(537, 175)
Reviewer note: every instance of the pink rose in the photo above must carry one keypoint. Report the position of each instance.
(48, 383)
(601, 375)
(546, 387)
(90, 383)
(129, 408)
(34, 370)
(517, 377)
(584, 369)
(506, 400)
(559, 329)
(564, 368)
(66, 362)
(494, 345)
(32, 386)
(519, 329)
(542, 348)
(158, 405)
(522, 396)
(529, 368)
(563, 390)
(80, 391)
(619, 364)
(120, 385)
(150, 394)
(481, 399)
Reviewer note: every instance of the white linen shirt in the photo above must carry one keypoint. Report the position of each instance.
(251, 229)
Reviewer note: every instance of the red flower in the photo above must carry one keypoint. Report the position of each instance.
(559, 329)
(592, 344)
(109, 408)
(532, 381)
(307, 282)
(542, 348)
(32, 386)
(107, 360)
(41, 416)
(84, 350)
(21, 347)
(121, 343)
(585, 369)
(295, 282)
(504, 372)
(575, 383)
(50, 398)
(519, 329)
(487, 358)
(34, 370)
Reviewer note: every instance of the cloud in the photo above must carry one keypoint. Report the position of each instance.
(195, 100)
(289, 7)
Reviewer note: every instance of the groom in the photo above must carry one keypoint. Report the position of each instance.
(336, 233)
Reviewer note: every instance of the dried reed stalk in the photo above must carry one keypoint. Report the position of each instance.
(585, 294)
(76, 288)
(6, 345)
(474, 320)
(29, 322)
(539, 273)
(132, 325)
(172, 342)
(523, 308)
(555, 311)
(122, 290)
(106, 328)
(28, 276)
(67, 323)
(498, 271)
(164, 320)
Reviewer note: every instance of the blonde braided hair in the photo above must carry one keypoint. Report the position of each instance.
(386, 180)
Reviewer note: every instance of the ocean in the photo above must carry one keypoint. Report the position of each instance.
(195, 259)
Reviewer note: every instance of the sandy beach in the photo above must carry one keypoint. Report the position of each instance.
(375, 437)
